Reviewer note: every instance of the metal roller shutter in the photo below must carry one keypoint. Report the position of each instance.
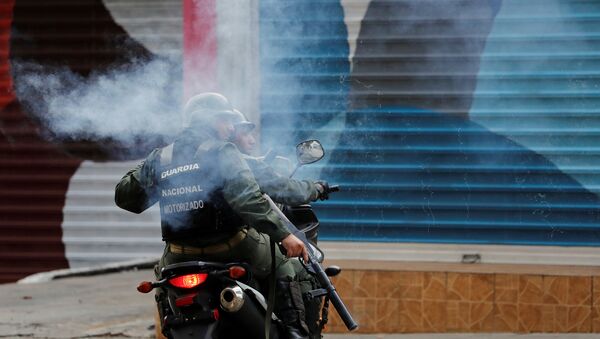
(40, 175)
(33, 178)
(467, 121)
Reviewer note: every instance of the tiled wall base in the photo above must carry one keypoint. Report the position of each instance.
(400, 301)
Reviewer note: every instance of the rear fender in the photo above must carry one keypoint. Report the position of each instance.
(195, 331)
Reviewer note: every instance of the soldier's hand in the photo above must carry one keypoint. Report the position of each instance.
(294, 247)
(322, 189)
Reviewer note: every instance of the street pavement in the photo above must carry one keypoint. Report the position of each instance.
(99, 306)
(108, 306)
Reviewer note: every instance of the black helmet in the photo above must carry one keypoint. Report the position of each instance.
(240, 122)
(204, 107)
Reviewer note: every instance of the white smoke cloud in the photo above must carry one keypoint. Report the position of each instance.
(122, 104)
(128, 104)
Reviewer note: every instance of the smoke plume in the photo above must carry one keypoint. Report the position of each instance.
(124, 104)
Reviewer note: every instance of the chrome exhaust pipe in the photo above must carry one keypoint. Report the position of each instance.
(232, 299)
(242, 310)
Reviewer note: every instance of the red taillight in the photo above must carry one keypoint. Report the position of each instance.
(145, 287)
(236, 272)
(189, 280)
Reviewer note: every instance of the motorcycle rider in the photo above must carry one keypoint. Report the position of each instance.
(286, 191)
(208, 199)
(242, 134)
(281, 188)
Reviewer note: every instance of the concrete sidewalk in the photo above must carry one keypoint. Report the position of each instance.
(108, 306)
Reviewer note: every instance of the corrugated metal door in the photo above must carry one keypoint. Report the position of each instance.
(33, 179)
(37, 171)
(467, 121)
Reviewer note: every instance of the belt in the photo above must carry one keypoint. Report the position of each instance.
(212, 249)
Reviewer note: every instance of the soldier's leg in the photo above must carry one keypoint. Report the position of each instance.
(255, 250)
(312, 306)
(289, 304)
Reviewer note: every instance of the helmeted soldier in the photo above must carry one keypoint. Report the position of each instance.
(242, 135)
(211, 206)
(272, 176)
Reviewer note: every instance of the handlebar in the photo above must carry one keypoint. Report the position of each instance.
(334, 188)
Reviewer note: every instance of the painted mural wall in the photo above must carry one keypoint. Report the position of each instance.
(61, 147)
(458, 121)
(450, 121)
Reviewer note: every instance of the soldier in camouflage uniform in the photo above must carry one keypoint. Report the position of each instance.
(273, 178)
(208, 199)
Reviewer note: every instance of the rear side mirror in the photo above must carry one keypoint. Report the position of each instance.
(309, 151)
(332, 271)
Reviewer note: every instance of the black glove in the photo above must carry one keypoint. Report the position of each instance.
(322, 189)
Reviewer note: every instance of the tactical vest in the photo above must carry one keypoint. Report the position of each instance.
(191, 199)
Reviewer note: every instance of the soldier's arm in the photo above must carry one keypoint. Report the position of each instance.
(242, 193)
(280, 188)
(136, 190)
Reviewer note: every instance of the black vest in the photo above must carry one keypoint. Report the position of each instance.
(190, 190)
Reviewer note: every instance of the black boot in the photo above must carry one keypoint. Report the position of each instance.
(289, 307)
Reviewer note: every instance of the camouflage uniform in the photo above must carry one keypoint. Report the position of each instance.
(281, 188)
(240, 203)
(291, 192)
(139, 189)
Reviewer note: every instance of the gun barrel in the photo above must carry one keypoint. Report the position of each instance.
(336, 301)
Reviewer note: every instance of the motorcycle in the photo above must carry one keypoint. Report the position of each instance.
(222, 300)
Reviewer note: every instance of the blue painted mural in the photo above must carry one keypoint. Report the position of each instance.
(461, 121)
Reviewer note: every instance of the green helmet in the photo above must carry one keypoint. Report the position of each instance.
(205, 107)
(240, 122)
